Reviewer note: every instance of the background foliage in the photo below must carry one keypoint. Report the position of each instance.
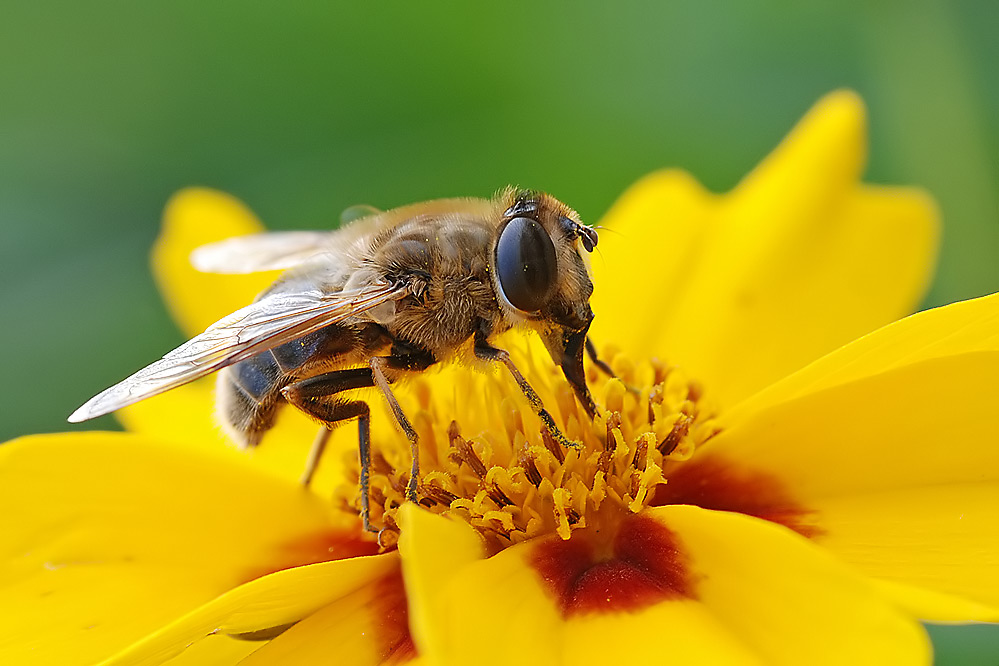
(302, 109)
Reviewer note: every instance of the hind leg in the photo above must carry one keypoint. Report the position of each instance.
(314, 397)
(345, 411)
(315, 453)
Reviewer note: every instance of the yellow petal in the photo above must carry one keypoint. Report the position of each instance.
(924, 603)
(518, 623)
(785, 598)
(366, 627)
(185, 417)
(819, 161)
(767, 305)
(761, 595)
(650, 241)
(432, 547)
(217, 650)
(195, 217)
(115, 535)
(679, 631)
(927, 421)
(936, 547)
(262, 607)
(951, 330)
(744, 288)
(890, 441)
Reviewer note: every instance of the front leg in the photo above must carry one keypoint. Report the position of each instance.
(486, 352)
(591, 351)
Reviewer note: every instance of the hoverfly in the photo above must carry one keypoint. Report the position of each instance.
(389, 294)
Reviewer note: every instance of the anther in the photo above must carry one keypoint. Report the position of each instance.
(613, 423)
(436, 494)
(380, 465)
(675, 435)
(530, 469)
(605, 461)
(463, 452)
(552, 445)
(655, 398)
(638, 461)
(497, 495)
(509, 490)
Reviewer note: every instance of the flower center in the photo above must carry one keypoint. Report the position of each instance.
(501, 471)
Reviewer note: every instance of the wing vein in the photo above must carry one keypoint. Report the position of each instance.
(265, 324)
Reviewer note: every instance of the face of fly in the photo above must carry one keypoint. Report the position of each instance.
(542, 275)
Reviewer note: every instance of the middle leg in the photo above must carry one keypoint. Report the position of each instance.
(406, 357)
(333, 412)
(312, 397)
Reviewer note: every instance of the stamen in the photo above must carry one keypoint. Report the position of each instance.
(502, 472)
(509, 478)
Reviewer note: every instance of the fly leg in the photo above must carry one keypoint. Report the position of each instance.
(313, 396)
(591, 351)
(315, 453)
(486, 352)
(409, 358)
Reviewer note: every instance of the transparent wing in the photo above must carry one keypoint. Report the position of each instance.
(271, 321)
(270, 251)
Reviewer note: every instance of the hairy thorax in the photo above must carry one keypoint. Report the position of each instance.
(446, 262)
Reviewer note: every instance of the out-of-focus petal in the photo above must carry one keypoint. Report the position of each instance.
(368, 627)
(114, 535)
(651, 240)
(774, 303)
(820, 160)
(263, 608)
(796, 261)
(952, 330)
(185, 417)
(920, 413)
(194, 217)
(432, 549)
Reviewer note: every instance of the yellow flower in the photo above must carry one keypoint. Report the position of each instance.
(818, 497)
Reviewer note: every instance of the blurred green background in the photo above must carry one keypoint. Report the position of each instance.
(302, 109)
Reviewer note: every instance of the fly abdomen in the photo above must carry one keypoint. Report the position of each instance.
(291, 356)
(249, 392)
(257, 376)
(247, 397)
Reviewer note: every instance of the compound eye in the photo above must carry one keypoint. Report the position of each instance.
(526, 264)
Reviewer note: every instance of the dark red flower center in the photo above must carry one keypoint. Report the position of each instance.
(640, 565)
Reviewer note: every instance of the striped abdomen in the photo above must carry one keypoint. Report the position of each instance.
(248, 393)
